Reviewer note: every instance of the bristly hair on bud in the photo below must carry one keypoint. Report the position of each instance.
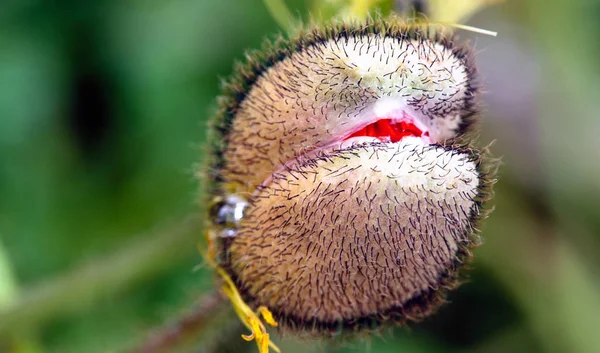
(312, 47)
(348, 189)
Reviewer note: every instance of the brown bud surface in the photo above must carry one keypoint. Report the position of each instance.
(359, 207)
(357, 232)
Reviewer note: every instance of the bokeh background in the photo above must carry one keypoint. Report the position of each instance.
(103, 108)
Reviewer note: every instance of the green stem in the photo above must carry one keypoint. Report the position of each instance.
(280, 12)
(150, 254)
(185, 327)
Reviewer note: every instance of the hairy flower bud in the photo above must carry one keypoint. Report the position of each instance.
(362, 204)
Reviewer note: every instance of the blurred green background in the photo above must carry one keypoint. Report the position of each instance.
(103, 106)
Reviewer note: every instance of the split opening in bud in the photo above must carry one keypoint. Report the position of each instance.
(389, 130)
(390, 124)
